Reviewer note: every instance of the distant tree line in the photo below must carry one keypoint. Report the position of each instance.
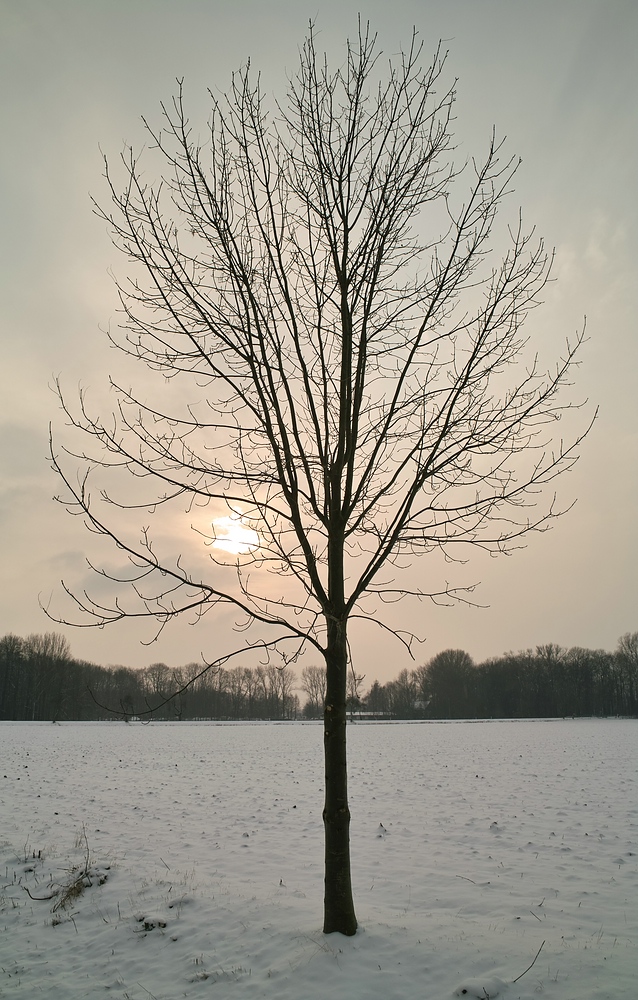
(40, 680)
(547, 681)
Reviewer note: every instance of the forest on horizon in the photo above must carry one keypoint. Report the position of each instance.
(41, 681)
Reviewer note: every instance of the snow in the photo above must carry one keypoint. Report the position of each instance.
(198, 849)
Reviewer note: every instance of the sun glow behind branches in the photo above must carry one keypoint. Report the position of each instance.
(234, 535)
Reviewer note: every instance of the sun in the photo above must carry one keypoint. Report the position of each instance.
(233, 535)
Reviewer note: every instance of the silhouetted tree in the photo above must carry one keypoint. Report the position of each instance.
(358, 385)
(313, 684)
(402, 695)
(627, 659)
(446, 684)
(354, 691)
(11, 677)
(376, 698)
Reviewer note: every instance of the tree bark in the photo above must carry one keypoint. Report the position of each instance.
(339, 912)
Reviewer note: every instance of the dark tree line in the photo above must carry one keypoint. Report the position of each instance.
(40, 680)
(547, 681)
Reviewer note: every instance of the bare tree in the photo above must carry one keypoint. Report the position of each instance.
(627, 659)
(353, 690)
(402, 695)
(313, 684)
(358, 387)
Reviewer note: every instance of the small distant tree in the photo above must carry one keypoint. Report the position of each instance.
(402, 695)
(320, 277)
(502, 687)
(376, 698)
(354, 691)
(51, 669)
(282, 700)
(627, 658)
(313, 684)
(157, 678)
(445, 684)
(12, 677)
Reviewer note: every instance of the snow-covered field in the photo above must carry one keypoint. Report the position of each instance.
(472, 844)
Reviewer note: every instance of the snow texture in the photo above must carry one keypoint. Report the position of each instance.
(186, 860)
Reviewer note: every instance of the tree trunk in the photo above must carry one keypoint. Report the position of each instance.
(338, 904)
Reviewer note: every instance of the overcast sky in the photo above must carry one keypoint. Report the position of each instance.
(559, 78)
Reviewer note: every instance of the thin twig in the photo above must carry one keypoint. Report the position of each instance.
(39, 899)
(529, 966)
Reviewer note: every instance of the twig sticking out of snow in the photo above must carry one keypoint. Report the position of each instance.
(529, 966)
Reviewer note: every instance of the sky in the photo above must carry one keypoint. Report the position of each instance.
(559, 79)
